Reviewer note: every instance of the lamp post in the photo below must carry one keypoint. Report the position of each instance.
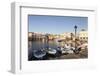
(75, 27)
(71, 38)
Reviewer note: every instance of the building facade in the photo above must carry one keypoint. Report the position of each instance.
(83, 35)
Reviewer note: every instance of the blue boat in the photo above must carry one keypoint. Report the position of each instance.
(39, 54)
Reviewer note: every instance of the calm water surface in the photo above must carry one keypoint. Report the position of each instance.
(36, 45)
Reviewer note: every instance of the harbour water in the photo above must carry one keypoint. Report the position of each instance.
(36, 45)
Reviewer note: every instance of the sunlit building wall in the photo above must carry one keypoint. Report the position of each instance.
(83, 35)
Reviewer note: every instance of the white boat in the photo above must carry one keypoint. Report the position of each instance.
(51, 51)
(83, 46)
(39, 54)
(67, 49)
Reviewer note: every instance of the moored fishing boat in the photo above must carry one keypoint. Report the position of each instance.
(39, 54)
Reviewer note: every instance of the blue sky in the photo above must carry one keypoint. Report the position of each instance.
(56, 24)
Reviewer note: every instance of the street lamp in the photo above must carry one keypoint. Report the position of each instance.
(75, 27)
(71, 38)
